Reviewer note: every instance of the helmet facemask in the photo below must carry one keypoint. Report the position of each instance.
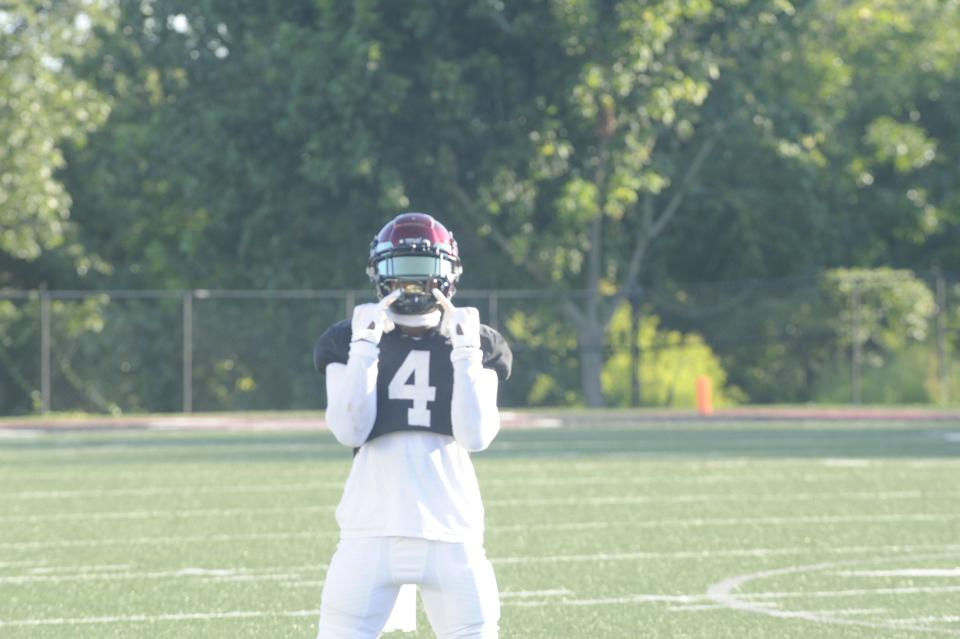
(416, 267)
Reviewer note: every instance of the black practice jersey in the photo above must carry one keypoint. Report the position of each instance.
(415, 378)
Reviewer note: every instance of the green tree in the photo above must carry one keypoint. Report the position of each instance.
(844, 154)
(624, 129)
(600, 146)
(794, 340)
(43, 104)
(669, 366)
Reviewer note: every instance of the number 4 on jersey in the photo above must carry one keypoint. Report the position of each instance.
(417, 366)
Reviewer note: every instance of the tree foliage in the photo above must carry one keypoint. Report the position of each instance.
(595, 150)
(43, 104)
(669, 364)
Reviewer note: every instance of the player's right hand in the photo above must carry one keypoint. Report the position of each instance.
(370, 321)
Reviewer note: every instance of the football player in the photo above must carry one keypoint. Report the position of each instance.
(412, 386)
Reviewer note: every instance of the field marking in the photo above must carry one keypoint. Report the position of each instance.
(159, 514)
(735, 521)
(219, 487)
(215, 488)
(610, 601)
(509, 503)
(730, 444)
(59, 570)
(853, 592)
(122, 571)
(711, 497)
(19, 433)
(163, 541)
(164, 491)
(254, 614)
(303, 583)
(707, 554)
(705, 467)
(17, 564)
(203, 574)
(180, 616)
(933, 619)
(751, 602)
(844, 462)
(161, 447)
(525, 594)
(724, 592)
(326, 533)
(906, 572)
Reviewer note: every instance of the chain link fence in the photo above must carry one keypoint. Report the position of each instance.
(887, 337)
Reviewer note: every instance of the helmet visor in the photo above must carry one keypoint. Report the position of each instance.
(414, 266)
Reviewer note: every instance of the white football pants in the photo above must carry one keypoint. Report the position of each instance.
(457, 586)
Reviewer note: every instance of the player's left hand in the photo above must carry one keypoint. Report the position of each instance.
(461, 325)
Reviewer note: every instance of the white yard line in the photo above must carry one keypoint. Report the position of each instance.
(61, 570)
(736, 552)
(17, 564)
(217, 488)
(727, 592)
(712, 497)
(610, 601)
(164, 449)
(934, 619)
(707, 471)
(303, 583)
(222, 575)
(892, 518)
(906, 572)
(181, 616)
(122, 571)
(526, 594)
(164, 540)
(160, 514)
(735, 521)
(851, 592)
(20, 433)
(508, 503)
(166, 491)
(719, 596)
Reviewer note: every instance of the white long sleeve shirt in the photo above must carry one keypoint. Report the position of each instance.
(412, 483)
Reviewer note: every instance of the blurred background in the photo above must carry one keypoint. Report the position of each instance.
(645, 193)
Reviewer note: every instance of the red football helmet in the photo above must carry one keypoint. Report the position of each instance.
(416, 254)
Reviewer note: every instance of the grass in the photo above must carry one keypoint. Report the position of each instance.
(766, 530)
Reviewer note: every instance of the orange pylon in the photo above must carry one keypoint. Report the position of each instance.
(704, 396)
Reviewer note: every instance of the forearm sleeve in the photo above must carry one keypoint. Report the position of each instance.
(474, 412)
(352, 394)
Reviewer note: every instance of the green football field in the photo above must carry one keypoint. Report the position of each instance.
(670, 529)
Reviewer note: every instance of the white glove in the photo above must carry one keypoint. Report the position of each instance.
(370, 321)
(461, 325)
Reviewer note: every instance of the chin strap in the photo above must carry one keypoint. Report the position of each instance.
(414, 321)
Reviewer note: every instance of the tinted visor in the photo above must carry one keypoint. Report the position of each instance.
(414, 266)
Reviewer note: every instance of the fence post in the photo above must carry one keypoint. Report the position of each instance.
(857, 350)
(188, 351)
(634, 351)
(942, 373)
(493, 309)
(45, 389)
(349, 301)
